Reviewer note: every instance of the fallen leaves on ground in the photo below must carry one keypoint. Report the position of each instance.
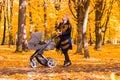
(102, 65)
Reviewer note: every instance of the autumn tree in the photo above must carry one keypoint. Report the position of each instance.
(4, 31)
(81, 8)
(10, 14)
(99, 7)
(45, 18)
(102, 15)
(105, 25)
(30, 16)
(0, 11)
(21, 37)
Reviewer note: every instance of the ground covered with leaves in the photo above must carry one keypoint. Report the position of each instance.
(102, 65)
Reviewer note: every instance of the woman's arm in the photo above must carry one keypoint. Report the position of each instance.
(68, 31)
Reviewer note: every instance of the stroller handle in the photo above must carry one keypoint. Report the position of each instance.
(54, 37)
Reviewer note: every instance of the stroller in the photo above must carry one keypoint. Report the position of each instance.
(35, 43)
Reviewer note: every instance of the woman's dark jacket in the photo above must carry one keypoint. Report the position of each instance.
(65, 42)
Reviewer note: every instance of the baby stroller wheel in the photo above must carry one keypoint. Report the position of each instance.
(52, 62)
(41, 61)
(34, 64)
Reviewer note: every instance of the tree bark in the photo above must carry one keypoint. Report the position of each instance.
(98, 35)
(1, 11)
(45, 20)
(30, 15)
(82, 8)
(4, 32)
(79, 40)
(106, 24)
(85, 43)
(90, 41)
(107, 20)
(9, 20)
(80, 16)
(98, 31)
(11, 42)
(21, 38)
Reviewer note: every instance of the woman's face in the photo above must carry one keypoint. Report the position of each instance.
(65, 18)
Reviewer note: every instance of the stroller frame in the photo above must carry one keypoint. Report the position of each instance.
(39, 56)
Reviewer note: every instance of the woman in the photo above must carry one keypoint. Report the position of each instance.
(65, 42)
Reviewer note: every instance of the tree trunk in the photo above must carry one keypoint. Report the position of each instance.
(0, 11)
(82, 9)
(90, 41)
(98, 31)
(31, 22)
(80, 17)
(106, 24)
(98, 35)
(79, 40)
(4, 32)
(103, 38)
(45, 20)
(107, 20)
(30, 15)
(11, 42)
(21, 40)
(85, 43)
(9, 20)
(82, 25)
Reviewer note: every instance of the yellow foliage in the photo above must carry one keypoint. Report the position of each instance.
(36, 9)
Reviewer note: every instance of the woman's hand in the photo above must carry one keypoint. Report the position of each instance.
(59, 33)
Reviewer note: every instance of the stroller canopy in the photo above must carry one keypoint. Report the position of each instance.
(34, 40)
(35, 37)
